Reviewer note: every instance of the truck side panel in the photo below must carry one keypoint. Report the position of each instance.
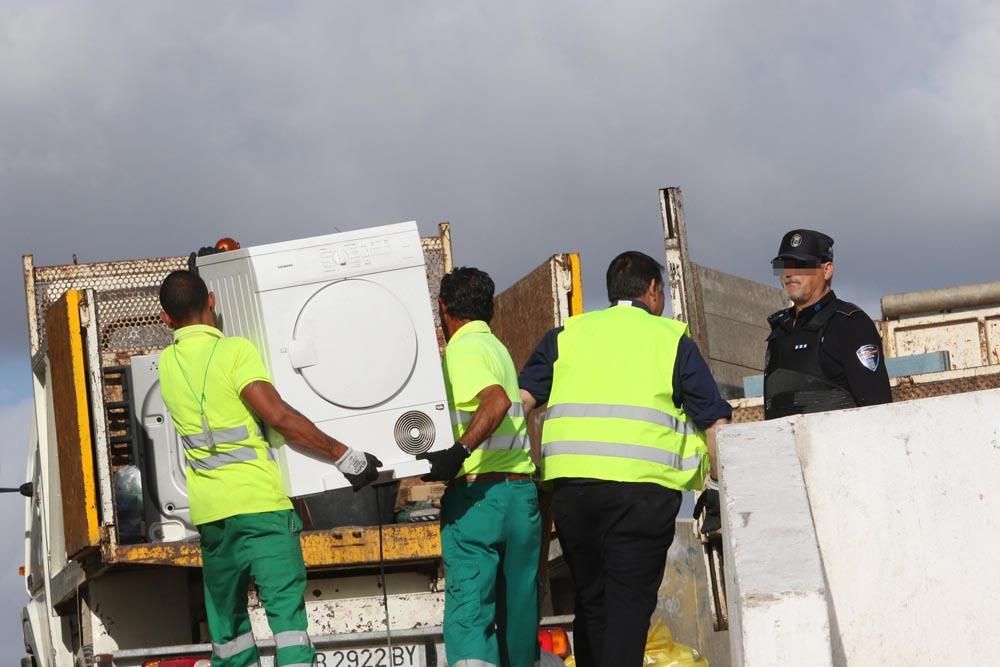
(72, 423)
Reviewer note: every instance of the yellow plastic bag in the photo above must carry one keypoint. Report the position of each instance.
(663, 651)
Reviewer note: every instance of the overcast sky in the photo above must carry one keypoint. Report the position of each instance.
(147, 129)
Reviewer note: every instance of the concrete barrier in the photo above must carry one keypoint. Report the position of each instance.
(904, 508)
(774, 577)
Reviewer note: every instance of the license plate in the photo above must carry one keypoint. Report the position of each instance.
(404, 655)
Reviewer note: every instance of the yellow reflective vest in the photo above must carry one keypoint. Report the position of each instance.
(473, 360)
(611, 413)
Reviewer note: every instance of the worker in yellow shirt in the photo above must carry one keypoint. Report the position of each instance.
(490, 525)
(216, 388)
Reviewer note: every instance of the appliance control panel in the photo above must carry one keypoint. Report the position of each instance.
(337, 260)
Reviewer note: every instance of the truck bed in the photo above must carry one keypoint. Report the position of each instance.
(348, 546)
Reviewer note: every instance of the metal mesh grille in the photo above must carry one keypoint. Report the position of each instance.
(126, 296)
(906, 390)
(437, 258)
(130, 323)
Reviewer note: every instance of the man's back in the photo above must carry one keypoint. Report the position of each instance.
(201, 377)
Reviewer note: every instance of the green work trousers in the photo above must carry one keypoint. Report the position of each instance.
(264, 546)
(490, 541)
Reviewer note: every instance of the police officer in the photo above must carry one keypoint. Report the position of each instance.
(822, 353)
(215, 388)
(490, 521)
(631, 419)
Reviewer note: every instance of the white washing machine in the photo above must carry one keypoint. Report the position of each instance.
(344, 323)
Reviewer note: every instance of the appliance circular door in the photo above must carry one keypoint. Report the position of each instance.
(359, 342)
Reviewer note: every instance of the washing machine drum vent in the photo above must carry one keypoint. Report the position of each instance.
(414, 432)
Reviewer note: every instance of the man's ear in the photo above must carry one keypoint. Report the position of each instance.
(166, 319)
(211, 301)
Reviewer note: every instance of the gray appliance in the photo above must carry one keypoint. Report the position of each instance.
(168, 518)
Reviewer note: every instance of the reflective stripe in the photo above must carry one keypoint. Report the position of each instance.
(500, 442)
(213, 438)
(473, 662)
(233, 647)
(291, 638)
(224, 458)
(497, 441)
(464, 417)
(618, 450)
(604, 411)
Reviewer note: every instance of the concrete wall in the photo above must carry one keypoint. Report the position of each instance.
(905, 517)
(736, 311)
(774, 576)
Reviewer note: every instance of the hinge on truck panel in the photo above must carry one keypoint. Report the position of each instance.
(715, 567)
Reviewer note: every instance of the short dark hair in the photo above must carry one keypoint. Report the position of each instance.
(467, 293)
(183, 295)
(630, 273)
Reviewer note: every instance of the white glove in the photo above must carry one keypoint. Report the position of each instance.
(352, 462)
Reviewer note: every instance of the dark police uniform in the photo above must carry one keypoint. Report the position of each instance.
(829, 356)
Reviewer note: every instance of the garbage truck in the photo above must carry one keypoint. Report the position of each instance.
(111, 559)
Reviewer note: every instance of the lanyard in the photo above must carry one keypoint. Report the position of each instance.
(201, 401)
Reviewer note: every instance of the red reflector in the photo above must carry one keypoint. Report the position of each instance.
(554, 640)
(186, 661)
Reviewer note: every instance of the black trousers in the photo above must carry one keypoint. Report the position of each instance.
(614, 537)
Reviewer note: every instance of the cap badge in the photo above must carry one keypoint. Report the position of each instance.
(796, 240)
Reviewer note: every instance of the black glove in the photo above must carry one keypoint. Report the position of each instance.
(708, 502)
(360, 468)
(445, 463)
(193, 257)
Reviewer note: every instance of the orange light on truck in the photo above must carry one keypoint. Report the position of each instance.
(226, 243)
(20, 571)
(554, 640)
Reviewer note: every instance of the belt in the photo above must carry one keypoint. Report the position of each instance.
(489, 476)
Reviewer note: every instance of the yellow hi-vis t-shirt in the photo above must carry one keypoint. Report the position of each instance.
(474, 360)
(230, 468)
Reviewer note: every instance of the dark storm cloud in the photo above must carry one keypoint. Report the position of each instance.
(139, 130)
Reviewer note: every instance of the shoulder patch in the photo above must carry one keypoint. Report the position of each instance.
(868, 356)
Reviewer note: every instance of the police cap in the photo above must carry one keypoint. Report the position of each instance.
(805, 245)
